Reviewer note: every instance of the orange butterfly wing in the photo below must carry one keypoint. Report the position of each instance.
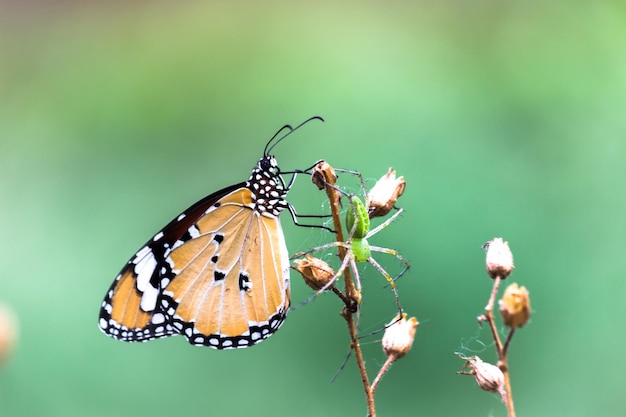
(217, 274)
(232, 280)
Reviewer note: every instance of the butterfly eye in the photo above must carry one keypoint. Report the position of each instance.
(269, 164)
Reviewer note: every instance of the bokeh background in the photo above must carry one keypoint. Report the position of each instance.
(506, 118)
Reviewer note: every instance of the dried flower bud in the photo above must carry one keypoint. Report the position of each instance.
(323, 174)
(515, 306)
(499, 258)
(8, 332)
(316, 273)
(399, 336)
(489, 377)
(384, 194)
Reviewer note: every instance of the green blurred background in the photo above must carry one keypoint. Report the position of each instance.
(506, 119)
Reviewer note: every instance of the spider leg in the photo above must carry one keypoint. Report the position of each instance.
(358, 175)
(382, 329)
(318, 248)
(343, 365)
(385, 223)
(357, 287)
(392, 283)
(394, 253)
(355, 270)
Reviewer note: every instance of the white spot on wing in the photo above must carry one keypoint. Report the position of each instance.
(158, 318)
(176, 244)
(141, 254)
(194, 232)
(144, 269)
(149, 298)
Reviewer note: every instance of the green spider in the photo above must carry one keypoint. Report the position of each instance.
(359, 250)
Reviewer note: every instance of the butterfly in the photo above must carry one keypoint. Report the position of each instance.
(217, 274)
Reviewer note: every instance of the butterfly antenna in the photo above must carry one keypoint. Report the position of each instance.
(270, 145)
(268, 148)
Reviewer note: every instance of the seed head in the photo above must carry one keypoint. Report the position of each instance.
(515, 306)
(499, 260)
(384, 194)
(488, 377)
(316, 273)
(399, 336)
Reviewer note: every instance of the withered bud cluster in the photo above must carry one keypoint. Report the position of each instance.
(317, 274)
(384, 194)
(488, 377)
(515, 306)
(499, 262)
(399, 336)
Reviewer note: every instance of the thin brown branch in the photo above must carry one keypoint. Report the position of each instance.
(351, 295)
(383, 370)
(504, 367)
(505, 348)
(501, 348)
(488, 316)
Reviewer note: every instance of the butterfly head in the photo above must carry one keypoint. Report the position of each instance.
(269, 165)
(267, 187)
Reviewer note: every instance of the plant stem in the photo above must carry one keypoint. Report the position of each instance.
(334, 198)
(505, 348)
(504, 367)
(383, 370)
(489, 315)
(358, 355)
(501, 349)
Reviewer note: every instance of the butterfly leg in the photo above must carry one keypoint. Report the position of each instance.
(295, 216)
